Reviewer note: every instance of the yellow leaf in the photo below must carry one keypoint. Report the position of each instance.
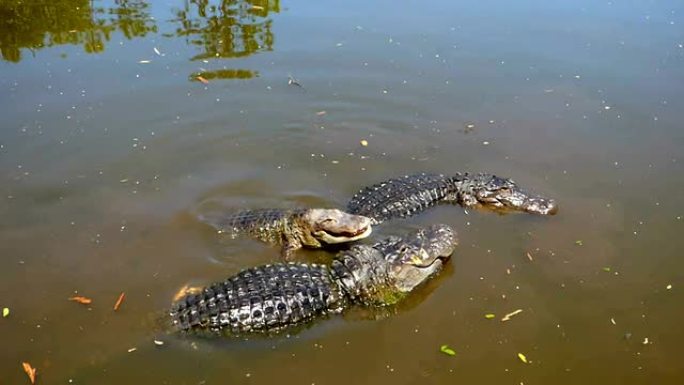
(447, 350)
(522, 358)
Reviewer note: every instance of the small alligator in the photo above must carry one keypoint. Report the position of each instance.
(271, 297)
(293, 229)
(411, 194)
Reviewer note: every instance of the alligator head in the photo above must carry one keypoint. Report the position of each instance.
(419, 256)
(335, 226)
(498, 193)
(384, 273)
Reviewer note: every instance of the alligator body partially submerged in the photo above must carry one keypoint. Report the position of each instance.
(271, 297)
(295, 228)
(405, 196)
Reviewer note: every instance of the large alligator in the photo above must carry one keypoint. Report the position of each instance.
(271, 297)
(411, 194)
(295, 228)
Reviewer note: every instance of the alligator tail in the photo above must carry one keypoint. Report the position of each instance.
(264, 298)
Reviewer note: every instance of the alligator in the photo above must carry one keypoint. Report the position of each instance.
(273, 297)
(294, 228)
(405, 196)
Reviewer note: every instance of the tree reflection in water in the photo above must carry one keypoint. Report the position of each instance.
(229, 29)
(220, 29)
(36, 24)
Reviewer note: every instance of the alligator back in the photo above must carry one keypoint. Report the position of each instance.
(264, 298)
(402, 197)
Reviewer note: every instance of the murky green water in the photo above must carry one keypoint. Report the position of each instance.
(110, 142)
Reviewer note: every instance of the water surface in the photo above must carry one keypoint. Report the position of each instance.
(122, 119)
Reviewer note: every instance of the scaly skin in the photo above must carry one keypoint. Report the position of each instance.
(296, 228)
(271, 297)
(405, 196)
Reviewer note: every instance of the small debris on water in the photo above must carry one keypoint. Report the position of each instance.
(202, 80)
(119, 301)
(30, 371)
(5, 312)
(668, 287)
(523, 358)
(579, 242)
(529, 256)
(612, 320)
(364, 142)
(292, 81)
(606, 269)
(447, 350)
(158, 343)
(508, 316)
(80, 299)
(131, 350)
(490, 316)
(186, 290)
(485, 143)
(321, 113)
(144, 61)
(646, 341)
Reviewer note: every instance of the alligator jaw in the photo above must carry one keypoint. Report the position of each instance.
(422, 255)
(335, 226)
(342, 237)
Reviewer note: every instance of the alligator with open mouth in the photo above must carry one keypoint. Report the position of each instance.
(294, 228)
(272, 297)
(411, 194)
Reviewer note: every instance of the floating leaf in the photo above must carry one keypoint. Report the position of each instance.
(606, 269)
(579, 242)
(82, 300)
(490, 316)
(186, 290)
(119, 301)
(30, 371)
(5, 312)
(447, 350)
(522, 358)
